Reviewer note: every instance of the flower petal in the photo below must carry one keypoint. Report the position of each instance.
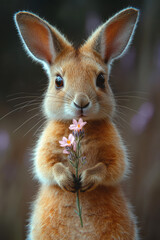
(75, 122)
(74, 146)
(62, 144)
(80, 121)
(84, 123)
(65, 151)
(72, 127)
(71, 138)
(64, 139)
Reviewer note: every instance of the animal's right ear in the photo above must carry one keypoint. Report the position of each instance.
(42, 41)
(111, 40)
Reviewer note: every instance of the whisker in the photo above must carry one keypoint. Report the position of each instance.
(18, 93)
(66, 97)
(27, 103)
(25, 122)
(30, 110)
(129, 97)
(39, 127)
(58, 100)
(133, 110)
(132, 92)
(33, 127)
(118, 111)
(12, 111)
(122, 118)
(69, 96)
(22, 97)
(19, 108)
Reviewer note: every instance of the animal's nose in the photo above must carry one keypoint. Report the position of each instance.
(77, 106)
(81, 101)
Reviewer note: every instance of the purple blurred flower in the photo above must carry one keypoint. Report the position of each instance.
(4, 140)
(141, 119)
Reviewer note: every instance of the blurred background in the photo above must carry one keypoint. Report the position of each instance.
(135, 80)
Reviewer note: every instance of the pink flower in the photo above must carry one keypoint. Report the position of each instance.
(66, 152)
(67, 142)
(77, 126)
(74, 146)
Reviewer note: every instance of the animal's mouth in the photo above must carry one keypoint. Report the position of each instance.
(81, 113)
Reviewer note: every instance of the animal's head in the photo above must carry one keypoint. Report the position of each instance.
(78, 78)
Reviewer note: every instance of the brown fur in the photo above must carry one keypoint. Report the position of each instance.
(105, 211)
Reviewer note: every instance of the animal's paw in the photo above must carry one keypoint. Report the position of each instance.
(70, 183)
(65, 179)
(87, 181)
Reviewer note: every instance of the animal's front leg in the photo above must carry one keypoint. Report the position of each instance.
(92, 177)
(107, 172)
(64, 178)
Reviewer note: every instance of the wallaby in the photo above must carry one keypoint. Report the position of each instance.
(78, 88)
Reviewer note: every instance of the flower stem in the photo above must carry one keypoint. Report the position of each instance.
(77, 193)
(79, 209)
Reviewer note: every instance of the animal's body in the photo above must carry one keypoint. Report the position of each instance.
(78, 87)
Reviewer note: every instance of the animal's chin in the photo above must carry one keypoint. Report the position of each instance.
(82, 115)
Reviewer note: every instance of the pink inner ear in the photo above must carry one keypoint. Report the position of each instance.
(118, 33)
(37, 38)
(112, 33)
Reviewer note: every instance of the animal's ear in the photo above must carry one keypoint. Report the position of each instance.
(42, 41)
(112, 38)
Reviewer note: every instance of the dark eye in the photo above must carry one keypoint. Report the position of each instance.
(100, 81)
(59, 82)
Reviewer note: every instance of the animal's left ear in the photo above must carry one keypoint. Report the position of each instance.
(42, 41)
(112, 39)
